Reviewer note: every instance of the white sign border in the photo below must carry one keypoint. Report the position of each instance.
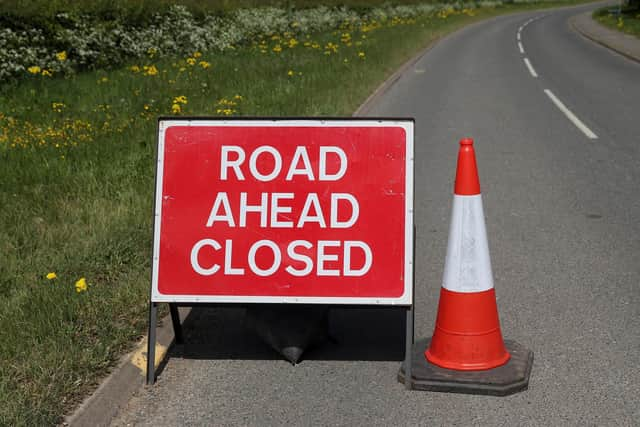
(406, 299)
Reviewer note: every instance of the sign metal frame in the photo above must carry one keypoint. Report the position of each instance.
(405, 301)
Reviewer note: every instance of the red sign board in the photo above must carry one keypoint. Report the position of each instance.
(291, 211)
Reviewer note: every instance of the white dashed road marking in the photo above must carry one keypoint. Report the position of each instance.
(530, 67)
(572, 117)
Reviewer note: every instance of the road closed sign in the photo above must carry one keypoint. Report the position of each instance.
(284, 210)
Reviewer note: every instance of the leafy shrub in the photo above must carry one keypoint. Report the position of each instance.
(72, 41)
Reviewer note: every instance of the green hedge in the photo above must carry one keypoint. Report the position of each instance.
(139, 10)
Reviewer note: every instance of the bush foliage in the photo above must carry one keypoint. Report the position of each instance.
(82, 39)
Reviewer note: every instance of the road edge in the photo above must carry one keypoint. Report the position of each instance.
(596, 36)
(383, 88)
(388, 83)
(116, 390)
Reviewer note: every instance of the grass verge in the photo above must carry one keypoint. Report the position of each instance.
(76, 185)
(626, 19)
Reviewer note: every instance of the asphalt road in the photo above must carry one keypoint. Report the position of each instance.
(563, 220)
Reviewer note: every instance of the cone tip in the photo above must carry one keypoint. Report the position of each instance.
(467, 182)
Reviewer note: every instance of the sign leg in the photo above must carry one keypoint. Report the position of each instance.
(175, 321)
(408, 349)
(408, 355)
(151, 343)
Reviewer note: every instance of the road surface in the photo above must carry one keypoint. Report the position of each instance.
(557, 128)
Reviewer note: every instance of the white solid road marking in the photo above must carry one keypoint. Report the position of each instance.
(518, 36)
(530, 67)
(576, 121)
(520, 47)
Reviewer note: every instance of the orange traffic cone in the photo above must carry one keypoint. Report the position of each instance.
(467, 335)
(466, 353)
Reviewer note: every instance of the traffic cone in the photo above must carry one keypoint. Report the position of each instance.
(466, 353)
(467, 334)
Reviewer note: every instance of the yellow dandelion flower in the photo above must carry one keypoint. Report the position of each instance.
(290, 73)
(175, 108)
(81, 285)
(331, 47)
(135, 68)
(46, 73)
(197, 54)
(361, 55)
(191, 61)
(52, 275)
(277, 48)
(61, 56)
(150, 70)
(238, 97)
(180, 99)
(34, 70)
(204, 64)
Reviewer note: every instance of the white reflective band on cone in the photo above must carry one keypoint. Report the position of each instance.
(468, 265)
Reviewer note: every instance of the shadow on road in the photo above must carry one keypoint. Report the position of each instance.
(372, 334)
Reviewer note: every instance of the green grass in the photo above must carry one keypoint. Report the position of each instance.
(76, 189)
(628, 21)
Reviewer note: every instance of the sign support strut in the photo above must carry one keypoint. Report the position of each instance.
(175, 321)
(151, 343)
(410, 319)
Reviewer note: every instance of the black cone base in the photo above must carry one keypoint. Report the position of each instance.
(501, 381)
